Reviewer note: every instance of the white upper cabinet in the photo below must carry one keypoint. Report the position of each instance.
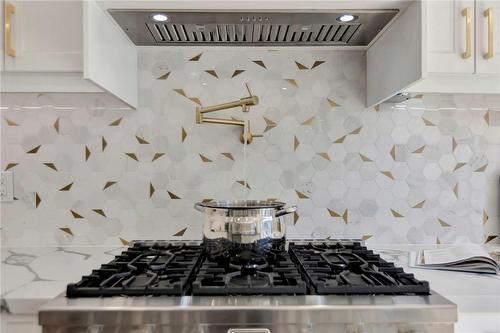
(44, 36)
(450, 36)
(456, 50)
(66, 46)
(488, 37)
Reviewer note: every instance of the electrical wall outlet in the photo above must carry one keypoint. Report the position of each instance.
(7, 186)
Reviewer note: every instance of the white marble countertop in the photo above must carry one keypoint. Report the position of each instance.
(32, 276)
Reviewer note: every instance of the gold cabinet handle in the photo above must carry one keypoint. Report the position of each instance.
(9, 10)
(489, 14)
(468, 33)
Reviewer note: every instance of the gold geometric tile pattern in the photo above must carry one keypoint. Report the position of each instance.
(56, 125)
(341, 139)
(108, 184)
(205, 159)
(490, 238)
(157, 156)
(428, 122)
(365, 158)
(34, 150)
(183, 134)
(228, 155)
(295, 143)
(124, 241)
(243, 183)
(300, 66)
(164, 76)
(325, 156)
(356, 131)
(260, 63)
(333, 213)
(141, 140)
(212, 72)
(196, 57)
(180, 233)
(67, 231)
(99, 211)
(237, 72)
(345, 216)
(10, 166)
(348, 151)
(292, 82)
(487, 117)
(481, 169)
(104, 144)
(76, 215)
(132, 156)
(66, 188)
(116, 122)
(301, 195)
(395, 213)
(419, 150)
(151, 190)
(11, 122)
(38, 200)
(419, 205)
(443, 223)
(317, 63)
(51, 166)
(269, 124)
(308, 122)
(332, 103)
(173, 195)
(87, 153)
(387, 174)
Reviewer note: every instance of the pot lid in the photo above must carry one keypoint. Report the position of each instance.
(243, 204)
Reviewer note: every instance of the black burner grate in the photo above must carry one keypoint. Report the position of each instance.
(349, 268)
(175, 269)
(249, 273)
(146, 268)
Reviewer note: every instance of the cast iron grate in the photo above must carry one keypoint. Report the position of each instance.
(145, 268)
(348, 268)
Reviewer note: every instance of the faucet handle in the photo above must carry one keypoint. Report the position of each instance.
(248, 137)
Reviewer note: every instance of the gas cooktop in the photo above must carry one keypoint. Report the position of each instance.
(306, 268)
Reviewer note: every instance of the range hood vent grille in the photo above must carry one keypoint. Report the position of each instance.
(231, 28)
(258, 33)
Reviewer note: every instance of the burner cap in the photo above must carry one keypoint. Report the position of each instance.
(249, 281)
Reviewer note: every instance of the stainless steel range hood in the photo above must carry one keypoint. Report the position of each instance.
(253, 28)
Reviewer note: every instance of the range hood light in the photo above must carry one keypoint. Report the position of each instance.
(347, 18)
(158, 17)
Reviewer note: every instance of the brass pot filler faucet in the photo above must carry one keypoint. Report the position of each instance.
(245, 103)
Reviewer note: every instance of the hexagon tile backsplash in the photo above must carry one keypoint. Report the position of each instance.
(89, 172)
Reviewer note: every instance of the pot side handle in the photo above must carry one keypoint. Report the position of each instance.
(198, 206)
(285, 211)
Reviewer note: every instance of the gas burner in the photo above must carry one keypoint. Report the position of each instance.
(249, 272)
(146, 268)
(350, 268)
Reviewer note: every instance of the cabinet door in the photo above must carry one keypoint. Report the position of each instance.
(46, 36)
(450, 29)
(488, 37)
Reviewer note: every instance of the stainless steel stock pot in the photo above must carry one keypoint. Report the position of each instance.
(243, 222)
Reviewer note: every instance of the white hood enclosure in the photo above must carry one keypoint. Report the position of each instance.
(411, 47)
